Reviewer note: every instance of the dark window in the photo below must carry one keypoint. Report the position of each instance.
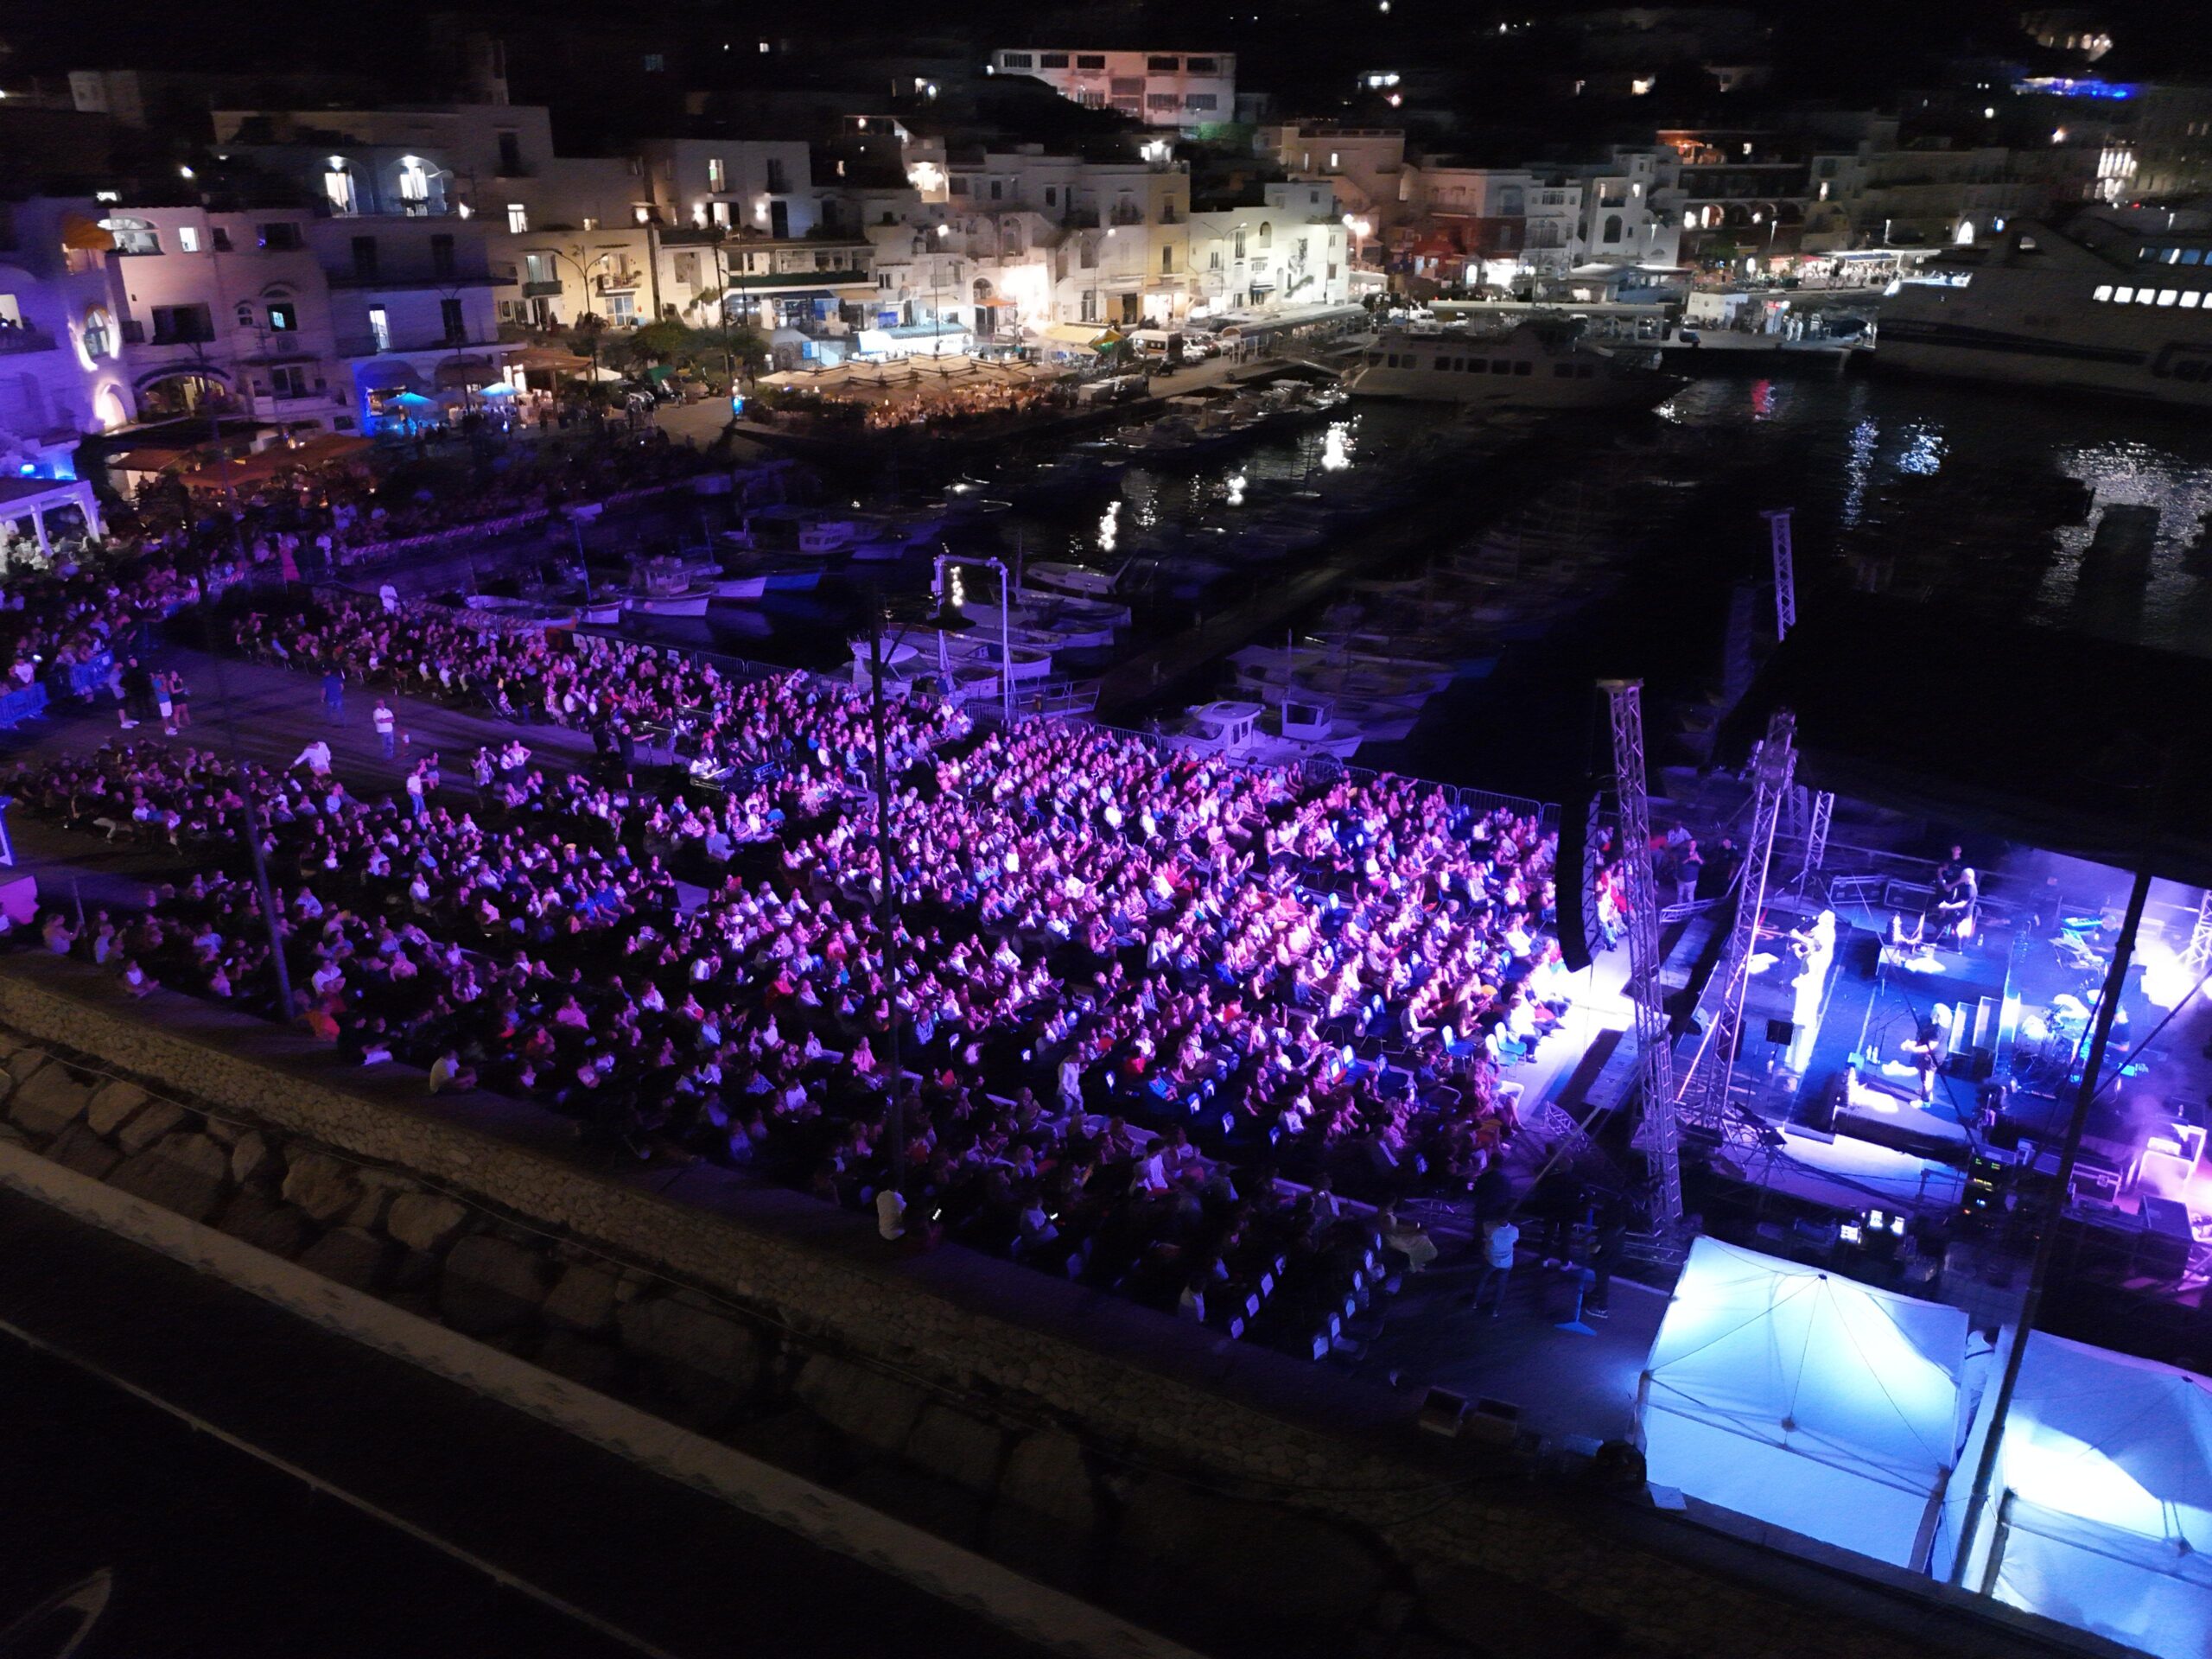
(1500, 366)
(1163, 66)
(778, 183)
(1052, 196)
(365, 255)
(1017, 60)
(1051, 60)
(442, 256)
(998, 189)
(280, 236)
(1203, 67)
(176, 325)
(1562, 371)
(510, 155)
(283, 315)
(655, 63)
(456, 324)
(1477, 365)
(1524, 368)
(1091, 61)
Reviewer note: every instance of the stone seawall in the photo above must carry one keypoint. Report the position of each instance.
(1236, 1498)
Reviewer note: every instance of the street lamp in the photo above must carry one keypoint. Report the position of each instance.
(936, 305)
(1006, 628)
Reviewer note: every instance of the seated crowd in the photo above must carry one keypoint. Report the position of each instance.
(1134, 990)
(326, 517)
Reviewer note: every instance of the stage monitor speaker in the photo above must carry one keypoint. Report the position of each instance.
(1781, 1033)
(1443, 1413)
(1578, 843)
(2166, 1238)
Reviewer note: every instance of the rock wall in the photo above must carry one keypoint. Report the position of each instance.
(1225, 1496)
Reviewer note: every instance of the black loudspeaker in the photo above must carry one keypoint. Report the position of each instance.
(1781, 1033)
(1576, 870)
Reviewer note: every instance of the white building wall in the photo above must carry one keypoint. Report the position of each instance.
(61, 370)
(1183, 89)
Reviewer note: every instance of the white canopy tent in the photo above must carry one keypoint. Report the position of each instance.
(1806, 1400)
(2099, 1510)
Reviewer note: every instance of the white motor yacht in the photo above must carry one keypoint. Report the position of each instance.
(1253, 732)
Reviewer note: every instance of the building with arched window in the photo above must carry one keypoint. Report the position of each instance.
(62, 376)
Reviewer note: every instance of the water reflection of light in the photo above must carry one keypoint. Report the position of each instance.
(1235, 484)
(1762, 399)
(1858, 469)
(1110, 527)
(1335, 446)
(1924, 449)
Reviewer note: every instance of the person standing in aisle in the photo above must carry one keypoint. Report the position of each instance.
(333, 696)
(387, 724)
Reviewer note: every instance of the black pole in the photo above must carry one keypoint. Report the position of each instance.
(252, 824)
(887, 904)
(2107, 1005)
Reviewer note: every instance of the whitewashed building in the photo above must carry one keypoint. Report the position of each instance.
(1292, 248)
(1183, 89)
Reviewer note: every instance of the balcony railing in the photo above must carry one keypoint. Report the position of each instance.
(22, 337)
(1126, 216)
(367, 346)
(546, 290)
(414, 276)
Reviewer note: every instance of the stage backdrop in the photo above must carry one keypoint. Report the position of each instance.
(1806, 1400)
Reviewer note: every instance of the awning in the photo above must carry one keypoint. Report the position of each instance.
(468, 371)
(146, 460)
(83, 236)
(548, 357)
(1074, 334)
(384, 375)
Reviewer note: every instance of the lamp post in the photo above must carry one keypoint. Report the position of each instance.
(936, 305)
(576, 261)
(1006, 628)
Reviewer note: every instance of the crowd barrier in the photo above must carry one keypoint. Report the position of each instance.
(91, 677)
(25, 702)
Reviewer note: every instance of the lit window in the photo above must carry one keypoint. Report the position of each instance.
(2123, 294)
(2167, 296)
(2146, 296)
(2189, 300)
(2104, 291)
(717, 175)
(518, 218)
(188, 238)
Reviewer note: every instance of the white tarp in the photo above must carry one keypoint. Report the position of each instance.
(1805, 1400)
(2100, 1511)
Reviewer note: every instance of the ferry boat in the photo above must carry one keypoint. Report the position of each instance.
(2099, 308)
(1540, 363)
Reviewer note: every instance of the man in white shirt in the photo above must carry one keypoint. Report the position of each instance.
(315, 758)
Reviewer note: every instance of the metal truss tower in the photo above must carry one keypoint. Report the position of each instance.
(1705, 1092)
(2198, 958)
(1822, 804)
(1785, 572)
(1655, 1055)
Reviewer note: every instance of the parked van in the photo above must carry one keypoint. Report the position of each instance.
(1163, 345)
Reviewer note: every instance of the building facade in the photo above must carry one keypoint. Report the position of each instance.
(1183, 89)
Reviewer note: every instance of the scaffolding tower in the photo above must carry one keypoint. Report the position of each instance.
(1705, 1097)
(1655, 1056)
